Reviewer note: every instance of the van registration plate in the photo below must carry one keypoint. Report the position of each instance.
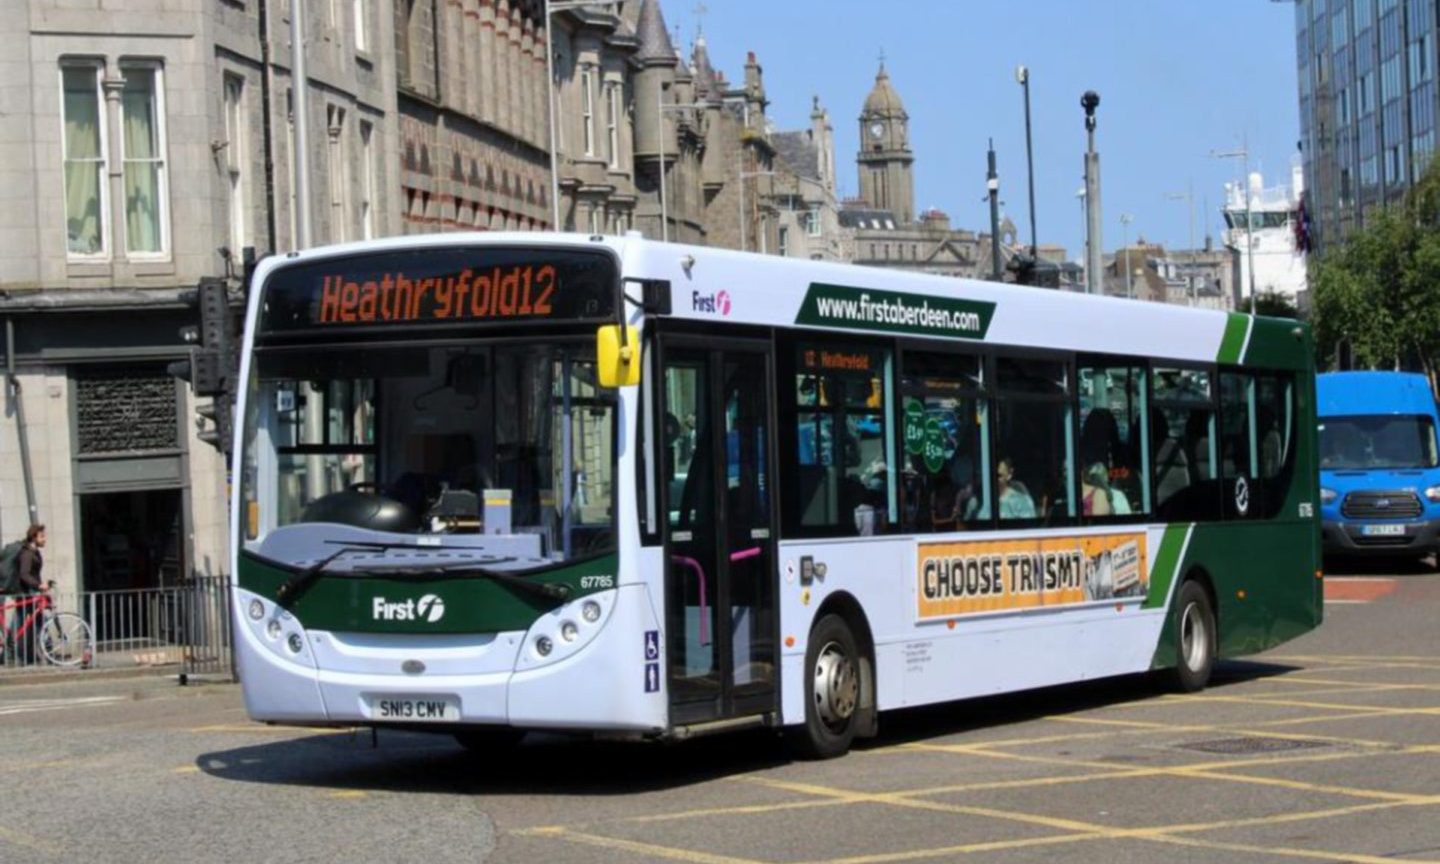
(1382, 530)
(414, 709)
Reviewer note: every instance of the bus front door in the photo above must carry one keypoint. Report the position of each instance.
(720, 582)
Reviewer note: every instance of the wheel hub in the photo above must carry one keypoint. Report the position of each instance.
(837, 685)
(1194, 641)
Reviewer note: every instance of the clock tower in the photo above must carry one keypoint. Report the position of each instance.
(885, 158)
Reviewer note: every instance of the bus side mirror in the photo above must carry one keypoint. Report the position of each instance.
(619, 365)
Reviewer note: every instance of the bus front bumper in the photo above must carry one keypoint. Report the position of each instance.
(601, 682)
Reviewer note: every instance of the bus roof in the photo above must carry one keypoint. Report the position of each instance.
(1349, 393)
(719, 286)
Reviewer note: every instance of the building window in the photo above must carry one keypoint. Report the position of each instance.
(84, 155)
(812, 225)
(142, 153)
(612, 121)
(370, 183)
(339, 174)
(764, 233)
(235, 162)
(784, 240)
(362, 24)
(1420, 64)
(587, 111)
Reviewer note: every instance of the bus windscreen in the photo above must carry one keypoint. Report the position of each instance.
(437, 287)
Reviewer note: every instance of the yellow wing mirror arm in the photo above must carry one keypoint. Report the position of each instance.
(619, 362)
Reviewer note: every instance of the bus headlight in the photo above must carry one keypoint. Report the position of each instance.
(543, 646)
(590, 611)
(273, 628)
(1433, 494)
(1328, 496)
(295, 643)
(569, 632)
(257, 610)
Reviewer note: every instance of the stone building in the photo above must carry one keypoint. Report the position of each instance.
(882, 228)
(805, 195)
(147, 145)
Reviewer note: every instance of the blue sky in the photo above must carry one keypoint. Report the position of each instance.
(1177, 80)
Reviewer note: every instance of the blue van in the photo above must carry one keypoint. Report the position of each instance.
(1379, 464)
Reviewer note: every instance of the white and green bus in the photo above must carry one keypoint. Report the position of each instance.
(507, 482)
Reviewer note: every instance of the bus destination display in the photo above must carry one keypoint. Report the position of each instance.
(441, 286)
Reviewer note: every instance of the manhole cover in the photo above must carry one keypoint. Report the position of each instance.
(1244, 746)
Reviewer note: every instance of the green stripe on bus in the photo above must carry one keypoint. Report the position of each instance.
(1167, 561)
(1233, 342)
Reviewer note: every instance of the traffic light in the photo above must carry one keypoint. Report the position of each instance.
(213, 364)
(1034, 271)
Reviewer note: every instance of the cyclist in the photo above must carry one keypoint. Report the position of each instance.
(30, 565)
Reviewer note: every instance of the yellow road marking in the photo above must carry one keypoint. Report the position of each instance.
(1302, 703)
(17, 838)
(1151, 726)
(349, 794)
(1089, 831)
(186, 769)
(615, 843)
(1359, 686)
(1281, 851)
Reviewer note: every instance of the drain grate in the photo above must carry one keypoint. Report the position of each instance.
(1246, 746)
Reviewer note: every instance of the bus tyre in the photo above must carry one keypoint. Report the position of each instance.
(832, 691)
(497, 738)
(1195, 638)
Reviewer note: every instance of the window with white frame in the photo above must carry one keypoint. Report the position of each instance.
(597, 219)
(142, 153)
(812, 225)
(234, 94)
(587, 110)
(362, 25)
(84, 155)
(612, 120)
(370, 183)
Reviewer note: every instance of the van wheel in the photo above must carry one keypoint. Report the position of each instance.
(1195, 638)
(832, 691)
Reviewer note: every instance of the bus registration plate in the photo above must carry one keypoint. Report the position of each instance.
(1382, 530)
(414, 709)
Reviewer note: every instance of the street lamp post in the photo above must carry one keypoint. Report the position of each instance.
(1022, 76)
(660, 109)
(551, 7)
(1125, 220)
(1084, 226)
(740, 175)
(1244, 154)
(1188, 196)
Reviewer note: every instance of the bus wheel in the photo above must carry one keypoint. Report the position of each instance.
(1195, 637)
(489, 740)
(832, 691)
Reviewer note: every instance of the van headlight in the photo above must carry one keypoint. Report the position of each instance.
(1328, 496)
(1433, 494)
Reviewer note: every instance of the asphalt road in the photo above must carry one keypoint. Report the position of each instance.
(1327, 749)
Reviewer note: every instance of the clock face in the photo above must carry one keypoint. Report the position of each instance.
(877, 129)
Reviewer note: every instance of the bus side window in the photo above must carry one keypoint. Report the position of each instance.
(945, 466)
(1114, 426)
(843, 438)
(1034, 442)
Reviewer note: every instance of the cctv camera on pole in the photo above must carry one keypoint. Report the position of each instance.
(1093, 265)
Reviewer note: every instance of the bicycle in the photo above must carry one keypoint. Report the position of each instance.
(62, 638)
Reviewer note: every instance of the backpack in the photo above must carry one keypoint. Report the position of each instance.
(10, 567)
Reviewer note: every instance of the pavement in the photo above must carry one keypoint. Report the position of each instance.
(1326, 749)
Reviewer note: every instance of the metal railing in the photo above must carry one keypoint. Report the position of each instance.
(183, 628)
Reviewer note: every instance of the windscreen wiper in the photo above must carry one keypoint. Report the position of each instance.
(547, 590)
(297, 583)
